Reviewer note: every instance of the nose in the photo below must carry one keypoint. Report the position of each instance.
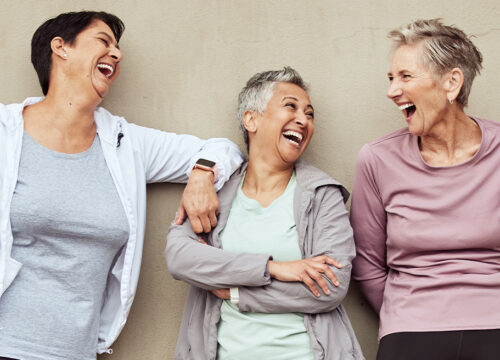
(301, 119)
(394, 90)
(116, 53)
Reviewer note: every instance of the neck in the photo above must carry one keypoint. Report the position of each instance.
(63, 121)
(453, 140)
(265, 182)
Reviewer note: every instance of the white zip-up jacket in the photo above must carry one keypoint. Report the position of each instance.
(135, 156)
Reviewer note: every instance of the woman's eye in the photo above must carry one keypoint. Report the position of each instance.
(390, 78)
(291, 105)
(310, 115)
(406, 76)
(104, 41)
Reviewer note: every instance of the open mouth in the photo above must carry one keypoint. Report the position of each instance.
(293, 136)
(408, 109)
(106, 70)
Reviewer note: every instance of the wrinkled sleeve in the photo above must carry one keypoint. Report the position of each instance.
(332, 236)
(211, 268)
(171, 157)
(368, 219)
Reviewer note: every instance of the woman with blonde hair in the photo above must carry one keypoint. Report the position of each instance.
(426, 206)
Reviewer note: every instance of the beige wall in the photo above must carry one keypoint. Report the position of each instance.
(184, 63)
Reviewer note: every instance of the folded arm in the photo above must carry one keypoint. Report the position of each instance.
(332, 236)
(211, 268)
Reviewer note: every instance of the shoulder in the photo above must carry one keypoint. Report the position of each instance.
(310, 178)
(11, 114)
(394, 144)
(490, 126)
(227, 193)
(389, 141)
(105, 120)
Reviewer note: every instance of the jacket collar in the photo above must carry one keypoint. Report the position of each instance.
(14, 118)
(309, 178)
(108, 125)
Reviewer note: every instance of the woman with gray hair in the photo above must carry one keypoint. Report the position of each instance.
(426, 206)
(283, 232)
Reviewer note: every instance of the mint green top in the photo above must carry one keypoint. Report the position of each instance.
(252, 228)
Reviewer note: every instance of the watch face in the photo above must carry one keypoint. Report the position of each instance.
(205, 162)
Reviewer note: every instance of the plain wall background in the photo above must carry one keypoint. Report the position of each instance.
(184, 64)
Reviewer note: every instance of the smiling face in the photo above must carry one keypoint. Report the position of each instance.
(93, 59)
(286, 126)
(415, 90)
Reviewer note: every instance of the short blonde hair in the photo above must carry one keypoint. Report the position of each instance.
(444, 48)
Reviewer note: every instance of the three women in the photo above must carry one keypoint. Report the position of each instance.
(409, 200)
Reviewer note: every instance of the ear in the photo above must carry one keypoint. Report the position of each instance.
(57, 45)
(453, 82)
(250, 121)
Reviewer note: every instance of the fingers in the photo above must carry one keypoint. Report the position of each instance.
(331, 276)
(196, 224)
(311, 285)
(200, 202)
(213, 219)
(328, 260)
(201, 240)
(318, 278)
(181, 215)
(333, 262)
(323, 268)
(223, 294)
(205, 223)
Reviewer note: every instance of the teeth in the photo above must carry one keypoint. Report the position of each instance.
(293, 133)
(108, 67)
(405, 106)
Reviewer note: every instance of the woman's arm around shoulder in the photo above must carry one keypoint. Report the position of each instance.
(171, 157)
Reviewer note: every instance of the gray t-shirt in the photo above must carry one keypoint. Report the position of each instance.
(68, 225)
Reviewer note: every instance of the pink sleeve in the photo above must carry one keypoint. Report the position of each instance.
(368, 219)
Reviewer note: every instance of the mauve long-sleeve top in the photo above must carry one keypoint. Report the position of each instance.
(428, 238)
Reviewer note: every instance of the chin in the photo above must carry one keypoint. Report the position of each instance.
(101, 93)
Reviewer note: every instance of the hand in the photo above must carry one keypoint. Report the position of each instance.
(223, 294)
(201, 240)
(306, 270)
(199, 201)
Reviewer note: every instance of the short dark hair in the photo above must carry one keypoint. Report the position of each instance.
(67, 26)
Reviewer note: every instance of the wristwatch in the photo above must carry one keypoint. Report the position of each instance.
(234, 294)
(205, 165)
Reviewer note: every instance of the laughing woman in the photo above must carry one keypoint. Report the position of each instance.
(283, 232)
(426, 207)
(73, 196)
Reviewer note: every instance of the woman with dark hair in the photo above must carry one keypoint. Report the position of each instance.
(283, 234)
(426, 206)
(73, 192)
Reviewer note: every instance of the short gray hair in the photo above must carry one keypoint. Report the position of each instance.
(444, 47)
(259, 90)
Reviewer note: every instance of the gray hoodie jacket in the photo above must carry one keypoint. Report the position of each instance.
(323, 227)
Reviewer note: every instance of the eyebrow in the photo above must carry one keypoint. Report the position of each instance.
(109, 37)
(294, 98)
